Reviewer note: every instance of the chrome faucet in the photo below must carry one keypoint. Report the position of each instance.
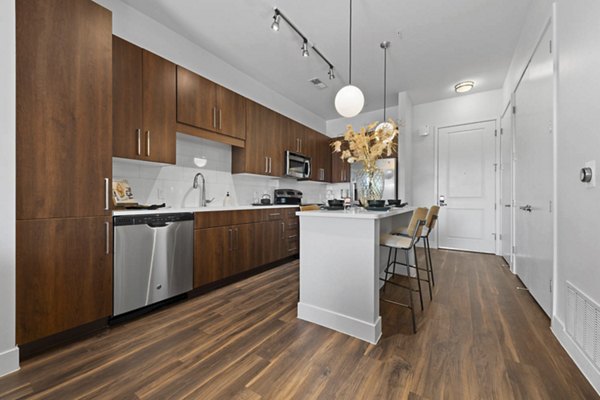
(203, 201)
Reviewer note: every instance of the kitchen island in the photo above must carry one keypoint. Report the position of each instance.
(340, 265)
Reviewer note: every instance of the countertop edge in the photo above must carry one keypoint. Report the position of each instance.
(117, 213)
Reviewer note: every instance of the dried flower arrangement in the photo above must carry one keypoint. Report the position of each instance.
(368, 144)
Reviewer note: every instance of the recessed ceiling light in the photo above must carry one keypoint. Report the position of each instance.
(464, 87)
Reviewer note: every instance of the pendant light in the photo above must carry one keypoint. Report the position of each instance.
(384, 125)
(350, 100)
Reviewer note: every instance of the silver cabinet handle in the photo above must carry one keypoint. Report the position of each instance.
(139, 141)
(106, 182)
(274, 214)
(148, 143)
(220, 119)
(300, 145)
(270, 165)
(283, 228)
(215, 117)
(266, 165)
(107, 225)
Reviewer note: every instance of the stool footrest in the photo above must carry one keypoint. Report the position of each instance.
(397, 303)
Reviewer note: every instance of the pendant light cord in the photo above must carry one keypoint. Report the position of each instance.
(350, 48)
(384, 82)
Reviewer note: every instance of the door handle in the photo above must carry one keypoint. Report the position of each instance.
(139, 141)
(527, 208)
(507, 205)
(106, 184)
(148, 143)
(107, 225)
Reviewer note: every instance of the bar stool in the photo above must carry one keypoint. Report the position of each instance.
(432, 217)
(404, 243)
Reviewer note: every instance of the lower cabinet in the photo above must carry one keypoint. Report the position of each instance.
(64, 274)
(224, 251)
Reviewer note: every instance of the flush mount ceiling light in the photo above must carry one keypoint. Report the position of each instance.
(350, 100)
(463, 87)
(278, 16)
(384, 125)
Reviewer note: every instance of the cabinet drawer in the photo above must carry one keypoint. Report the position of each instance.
(292, 247)
(274, 214)
(211, 219)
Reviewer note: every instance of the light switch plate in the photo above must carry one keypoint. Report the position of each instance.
(592, 166)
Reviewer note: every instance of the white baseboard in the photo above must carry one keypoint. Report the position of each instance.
(586, 367)
(9, 361)
(342, 323)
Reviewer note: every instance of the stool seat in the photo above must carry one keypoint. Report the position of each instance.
(399, 242)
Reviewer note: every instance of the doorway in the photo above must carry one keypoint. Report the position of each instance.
(466, 187)
(533, 137)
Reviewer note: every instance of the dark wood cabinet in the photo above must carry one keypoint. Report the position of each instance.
(340, 169)
(64, 89)
(212, 254)
(144, 104)
(263, 153)
(203, 104)
(64, 274)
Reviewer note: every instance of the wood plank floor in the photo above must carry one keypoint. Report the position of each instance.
(479, 338)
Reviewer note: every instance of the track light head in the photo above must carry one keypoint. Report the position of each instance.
(305, 48)
(331, 74)
(275, 24)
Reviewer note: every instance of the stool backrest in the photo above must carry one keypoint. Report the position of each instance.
(312, 207)
(420, 214)
(432, 217)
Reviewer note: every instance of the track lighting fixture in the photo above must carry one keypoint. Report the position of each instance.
(305, 48)
(275, 24)
(277, 17)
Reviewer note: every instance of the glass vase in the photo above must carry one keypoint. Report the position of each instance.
(369, 183)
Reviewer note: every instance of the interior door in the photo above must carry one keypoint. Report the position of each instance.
(533, 175)
(506, 194)
(466, 187)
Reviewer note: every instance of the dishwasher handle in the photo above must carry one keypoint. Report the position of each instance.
(159, 224)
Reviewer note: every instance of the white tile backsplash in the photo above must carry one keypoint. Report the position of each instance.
(172, 184)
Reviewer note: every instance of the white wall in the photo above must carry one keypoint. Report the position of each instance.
(9, 354)
(145, 32)
(337, 127)
(540, 11)
(405, 143)
(578, 141)
(457, 110)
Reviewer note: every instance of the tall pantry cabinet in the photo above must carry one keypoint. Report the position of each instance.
(64, 166)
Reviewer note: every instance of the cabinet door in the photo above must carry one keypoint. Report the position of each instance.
(212, 254)
(324, 154)
(244, 255)
(253, 158)
(231, 116)
(159, 108)
(340, 169)
(64, 274)
(196, 100)
(268, 239)
(64, 108)
(127, 99)
(275, 140)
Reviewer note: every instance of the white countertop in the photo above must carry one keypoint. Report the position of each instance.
(356, 213)
(168, 210)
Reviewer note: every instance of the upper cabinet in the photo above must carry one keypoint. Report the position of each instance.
(64, 118)
(144, 104)
(340, 169)
(263, 152)
(203, 104)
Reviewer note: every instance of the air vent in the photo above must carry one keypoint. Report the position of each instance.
(583, 323)
(318, 83)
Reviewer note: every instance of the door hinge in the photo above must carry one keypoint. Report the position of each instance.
(550, 46)
(514, 109)
(495, 167)
(550, 285)
(495, 132)
(502, 131)
(495, 206)
(550, 206)
(514, 249)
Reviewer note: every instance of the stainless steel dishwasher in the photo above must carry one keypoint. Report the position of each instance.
(153, 259)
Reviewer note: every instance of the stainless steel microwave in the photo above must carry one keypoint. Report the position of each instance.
(297, 165)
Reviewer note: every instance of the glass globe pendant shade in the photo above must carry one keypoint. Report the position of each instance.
(349, 101)
(385, 127)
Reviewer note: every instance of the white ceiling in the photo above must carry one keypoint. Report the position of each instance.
(441, 43)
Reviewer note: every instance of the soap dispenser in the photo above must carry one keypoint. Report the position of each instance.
(227, 200)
